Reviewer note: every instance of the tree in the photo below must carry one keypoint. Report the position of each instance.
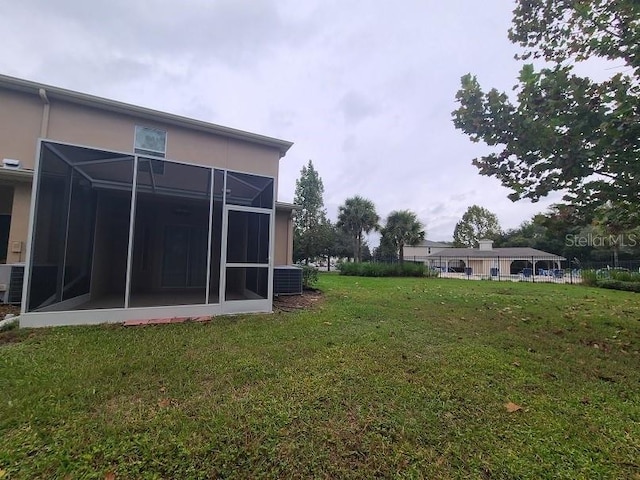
(612, 226)
(402, 228)
(366, 252)
(356, 217)
(326, 240)
(343, 246)
(477, 223)
(386, 251)
(550, 232)
(311, 218)
(564, 132)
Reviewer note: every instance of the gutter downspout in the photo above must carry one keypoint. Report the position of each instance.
(44, 126)
(290, 239)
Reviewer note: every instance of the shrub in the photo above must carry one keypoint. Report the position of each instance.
(589, 277)
(619, 285)
(309, 277)
(595, 277)
(367, 269)
(624, 276)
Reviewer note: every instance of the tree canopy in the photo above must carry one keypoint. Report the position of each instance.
(356, 217)
(563, 131)
(562, 230)
(311, 232)
(476, 224)
(402, 228)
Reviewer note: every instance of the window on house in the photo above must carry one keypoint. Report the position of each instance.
(150, 141)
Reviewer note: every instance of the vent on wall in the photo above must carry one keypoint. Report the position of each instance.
(287, 280)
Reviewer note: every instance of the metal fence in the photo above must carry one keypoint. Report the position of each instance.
(534, 269)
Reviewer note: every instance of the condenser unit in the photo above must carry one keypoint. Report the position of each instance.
(11, 278)
(287, 280)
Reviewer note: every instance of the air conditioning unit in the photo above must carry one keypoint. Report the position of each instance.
(11, 278)
(287, 280)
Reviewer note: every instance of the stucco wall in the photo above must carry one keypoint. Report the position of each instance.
(283, 238)
(19, 223)
(21, 124)
(82, 125)
(20, 119)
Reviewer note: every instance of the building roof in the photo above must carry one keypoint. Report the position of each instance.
(525, 252)
(432, 244)
(51, 92)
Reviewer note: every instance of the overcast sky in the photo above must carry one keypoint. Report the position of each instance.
(365, 89)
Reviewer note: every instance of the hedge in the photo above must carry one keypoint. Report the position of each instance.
(367, 269)
(619, 285)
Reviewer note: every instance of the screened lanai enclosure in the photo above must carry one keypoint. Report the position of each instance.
(129, 236)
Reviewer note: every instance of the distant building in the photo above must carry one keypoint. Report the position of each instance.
(488, 261)
(423, 249)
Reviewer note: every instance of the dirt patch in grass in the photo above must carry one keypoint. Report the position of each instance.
(10, 336)
(291, 303)
(14, 335)
(5, 309)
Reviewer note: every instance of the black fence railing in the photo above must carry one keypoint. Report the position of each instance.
(549, 269)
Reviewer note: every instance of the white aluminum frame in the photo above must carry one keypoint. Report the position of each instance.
(224, 264)
(116, 315)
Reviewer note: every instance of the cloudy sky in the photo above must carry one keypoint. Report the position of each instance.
(365, 89)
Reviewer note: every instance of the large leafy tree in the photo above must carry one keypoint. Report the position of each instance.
(563, 131)
(356, 217)
(613, 224)
(402, 228)
(550, 232)
(310, 223)
(476, 224)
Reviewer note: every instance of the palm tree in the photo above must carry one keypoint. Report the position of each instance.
(357, 216)
(403, 228)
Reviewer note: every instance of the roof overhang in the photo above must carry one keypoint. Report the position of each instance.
(14, 175)
(287, 206)
(56, 93)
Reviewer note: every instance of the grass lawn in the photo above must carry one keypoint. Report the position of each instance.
(403, 378)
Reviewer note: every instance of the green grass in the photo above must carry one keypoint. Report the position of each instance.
(400, 378)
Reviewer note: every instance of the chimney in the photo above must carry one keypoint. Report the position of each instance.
(485, 244)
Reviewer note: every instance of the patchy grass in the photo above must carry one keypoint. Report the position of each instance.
(403, 377)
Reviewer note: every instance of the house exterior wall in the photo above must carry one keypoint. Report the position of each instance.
(24, 118)
(20, 121)
(19, 222)
(283, 238)
(82, 125)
